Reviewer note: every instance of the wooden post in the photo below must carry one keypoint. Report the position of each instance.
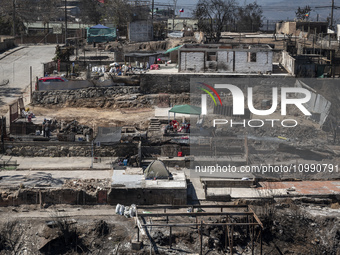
(201, 238)
(226, 237)
(31, 85)
(40, 199)
(137, 234)
(260, 241)
(232, 240)
(252, 236)
(170, 237)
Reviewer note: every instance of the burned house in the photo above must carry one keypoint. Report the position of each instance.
(226, 58)
(295, 27)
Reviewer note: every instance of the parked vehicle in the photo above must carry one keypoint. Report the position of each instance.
(52, 79)
(131, 133)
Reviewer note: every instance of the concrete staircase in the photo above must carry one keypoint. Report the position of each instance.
(155, 125)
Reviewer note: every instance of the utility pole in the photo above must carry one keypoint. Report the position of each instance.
(332, 14)
(332, 11)
(153, 6)
(13, 28)
(173, 17)
(65, 21)
(2, 135)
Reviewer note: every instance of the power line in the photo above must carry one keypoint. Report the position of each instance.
(333, 7)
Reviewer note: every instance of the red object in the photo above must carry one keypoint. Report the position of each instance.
(180, 154)
(154, 67)
(174, 124)
(181, 10)
(52, 79)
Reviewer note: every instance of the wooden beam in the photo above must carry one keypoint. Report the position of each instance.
(193, 214)
(255, 216)
(192, 206)
(198, 224)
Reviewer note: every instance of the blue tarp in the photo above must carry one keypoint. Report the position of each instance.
(99, 26)
(100, 33)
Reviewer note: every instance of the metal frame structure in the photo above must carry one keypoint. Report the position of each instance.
(250, 221)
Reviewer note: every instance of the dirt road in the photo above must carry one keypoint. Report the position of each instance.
(94, 117)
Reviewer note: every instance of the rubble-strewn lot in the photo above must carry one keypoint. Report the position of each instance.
(289, 228)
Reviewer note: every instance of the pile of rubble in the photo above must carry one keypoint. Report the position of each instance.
(91, 185)
(74, 127)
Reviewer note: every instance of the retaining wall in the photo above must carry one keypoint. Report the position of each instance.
(112, 196)
(63, 149)
(6, 43)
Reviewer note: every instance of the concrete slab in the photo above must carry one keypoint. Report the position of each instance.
(121, 178)
(245, 192)
(60, 163)
(134, 178)
(305, 187)
(47, 178)
(178, 182)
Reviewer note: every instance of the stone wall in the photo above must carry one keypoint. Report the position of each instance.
(115, 97)
(63, 149)
(112, 94)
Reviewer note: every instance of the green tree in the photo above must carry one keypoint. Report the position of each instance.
(249, 18)
(214, 15)
(303, 13)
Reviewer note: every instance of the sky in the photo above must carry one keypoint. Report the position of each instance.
(272, 9)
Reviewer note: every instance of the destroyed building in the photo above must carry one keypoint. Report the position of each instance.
(226, 58)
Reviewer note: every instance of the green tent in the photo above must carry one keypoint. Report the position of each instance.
(172, 49)
(156, 170)
(186, 109)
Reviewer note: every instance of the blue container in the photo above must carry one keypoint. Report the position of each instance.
(125, 162)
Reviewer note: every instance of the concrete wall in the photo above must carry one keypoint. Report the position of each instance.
(70, 85)
(6, 43)
(286, 27)
(263, 62)
(179, 83)
(141, 31)
(124, 196)
(227, 61)
(192, 61)
(180, 23)
(143, 196)
(317, 105)
(288, 62)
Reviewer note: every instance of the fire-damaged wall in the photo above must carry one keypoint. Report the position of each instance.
(112, 196)
(150, 196)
